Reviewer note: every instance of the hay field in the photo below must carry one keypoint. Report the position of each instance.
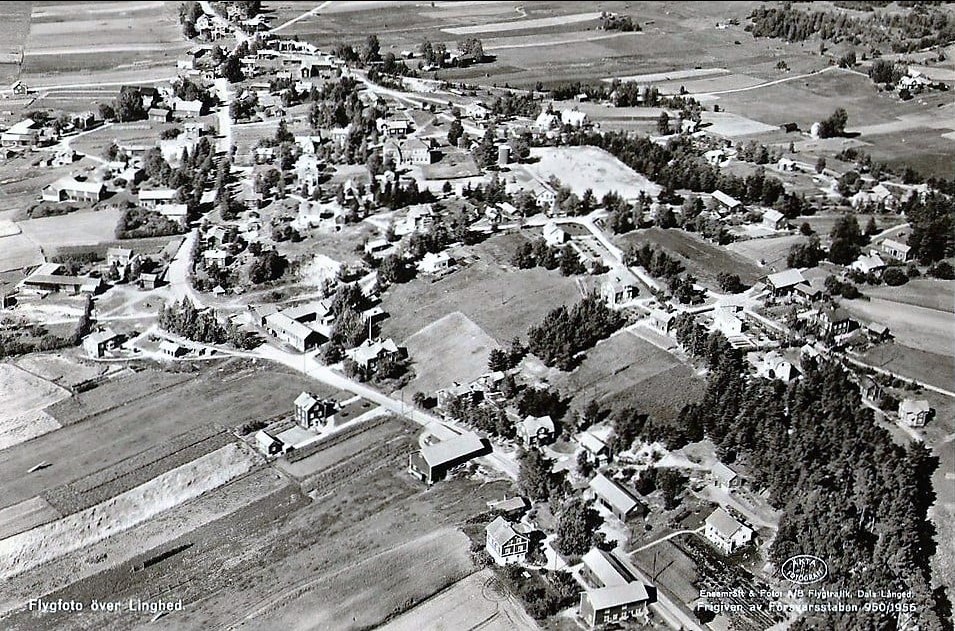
(34, 547)
(921, 328)
(474, 601)
(22, 399)
(79, 228)
(581, 168)
(452, 349)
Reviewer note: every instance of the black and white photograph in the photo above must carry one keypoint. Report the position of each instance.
(477, 315)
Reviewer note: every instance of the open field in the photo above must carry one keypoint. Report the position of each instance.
(732, 125)
(123, 418)
(503, 302)
(79, 228)
(14, 28)
(701, 258)
(926, 150)
(18, 252)
(581, 168)
(823, 223)
(25, 515)
(404, 574)
(474, 601)
(115, 568)
(919, 292)
(627, 370)
(58, 368)
(68, 40)
(811, 98)
(452, 349)
(519, 25)
(917, 327)
(28, 549)
(22, 399)
(934, 368)
(770, 253)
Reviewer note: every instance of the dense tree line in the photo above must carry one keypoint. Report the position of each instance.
(933, 226)
(847, 491)
(565, 332)
(921, 27)
(677, 165)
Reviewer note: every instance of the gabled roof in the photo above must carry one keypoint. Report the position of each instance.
(726, 200)
(787, 278)
(723, 473)
(617, 595)
(607, 568)
(98, 337)
(914, 406)
(305, 400)
(614, 494)
(590, 442)
(501, 531)
(725, 524)
(466, 444)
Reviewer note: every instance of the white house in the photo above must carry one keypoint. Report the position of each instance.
(726, 532)
(554, 235)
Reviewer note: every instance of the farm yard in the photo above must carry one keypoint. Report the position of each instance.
(581, 168)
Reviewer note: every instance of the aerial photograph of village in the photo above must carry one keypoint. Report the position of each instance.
(477, 315)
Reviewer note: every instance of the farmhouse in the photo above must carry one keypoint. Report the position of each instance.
(724, 477)
(621, 596)
(536, 430)
(661, 320)
(554, 235)
(432, 462)
(504, 543)
(775, 366)
(311, 411)
(878, 195)
(150, 198)
(896, 250)
(784, 283)
(914, 412)
(95, 344)
(457, 393)
(616, 290)
(295, 334)
(573, 118)
(726, 532)
(174, 212)
(435, 264)
(615, 498)
(726, 203)
(595, 447)
(833, 321)
(121, 258)
(867, 264)
(189, 109)
(774, 220)
(476, 110)
(171, 349)
(545, 121)
(393, 126)
(159, 115)
(370, 352)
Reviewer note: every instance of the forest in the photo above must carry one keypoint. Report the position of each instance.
(848, 493)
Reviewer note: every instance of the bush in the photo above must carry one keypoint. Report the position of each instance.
(895, 277)
(942, 270)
